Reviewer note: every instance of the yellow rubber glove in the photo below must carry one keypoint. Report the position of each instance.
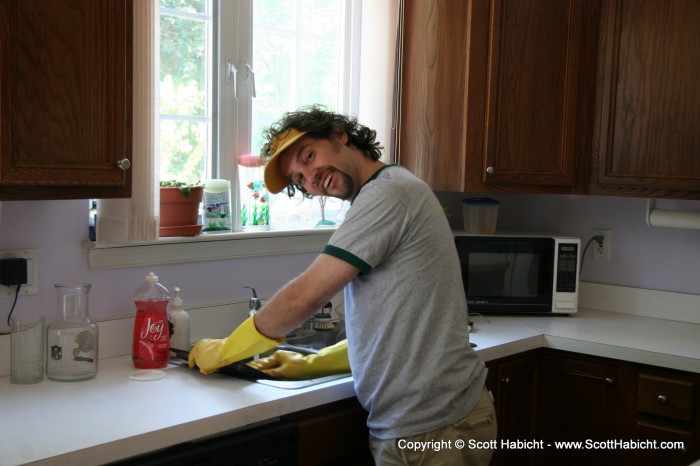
(245, 342)
(294, 366)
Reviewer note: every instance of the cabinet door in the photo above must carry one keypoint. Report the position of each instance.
(648, 142)
(515, 399)
(65, 90)
(577, 403)
(432, 119)
(497, 95)
(332, 434)
(533, 72)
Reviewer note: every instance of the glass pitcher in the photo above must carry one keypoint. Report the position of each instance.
(71, 340)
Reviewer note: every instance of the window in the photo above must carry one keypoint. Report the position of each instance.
(207, 127)
(230, 69)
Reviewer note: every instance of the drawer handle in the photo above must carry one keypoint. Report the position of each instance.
(609, 381)
(505, 380)
(662, 399)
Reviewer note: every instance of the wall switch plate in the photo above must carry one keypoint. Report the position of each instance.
(32, 285)
(602, 251)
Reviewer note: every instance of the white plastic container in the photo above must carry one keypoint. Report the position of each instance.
(216, 205)
(480, 215)
(180, 320)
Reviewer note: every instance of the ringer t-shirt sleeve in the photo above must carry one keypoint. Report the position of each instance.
(348, 257)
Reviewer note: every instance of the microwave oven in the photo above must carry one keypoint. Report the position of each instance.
(520, 273)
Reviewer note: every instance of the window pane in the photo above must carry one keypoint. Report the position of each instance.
(275, 56)
(318, 73)
(183, 150)
(298, 51)
(185, 129)
(190, 6)
(183, 64)
(275, 14)
(321, 17)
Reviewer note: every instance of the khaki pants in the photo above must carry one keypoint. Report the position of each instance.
(468, 441)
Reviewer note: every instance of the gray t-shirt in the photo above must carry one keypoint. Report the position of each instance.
(406, 312)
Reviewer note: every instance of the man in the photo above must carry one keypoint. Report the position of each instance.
(405, 308)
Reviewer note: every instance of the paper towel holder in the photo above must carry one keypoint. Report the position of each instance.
(671, 218)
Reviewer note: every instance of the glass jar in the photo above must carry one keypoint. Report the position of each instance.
(72, 340)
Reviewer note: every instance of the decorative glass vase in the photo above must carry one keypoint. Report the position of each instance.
(255, 205)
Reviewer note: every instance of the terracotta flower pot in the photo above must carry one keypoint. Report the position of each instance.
(179, 213)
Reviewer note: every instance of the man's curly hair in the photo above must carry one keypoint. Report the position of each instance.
(321, 124)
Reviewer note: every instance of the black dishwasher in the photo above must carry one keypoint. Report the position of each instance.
(272, 444)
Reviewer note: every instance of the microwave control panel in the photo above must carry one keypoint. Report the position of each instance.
(567, 263)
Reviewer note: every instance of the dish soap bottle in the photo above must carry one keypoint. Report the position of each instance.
(72, 339)
(180, 320)
(150, 347)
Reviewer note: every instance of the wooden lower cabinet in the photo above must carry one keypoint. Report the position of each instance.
(333, 434)
(577, 404)
(513, 383)
(621, 413)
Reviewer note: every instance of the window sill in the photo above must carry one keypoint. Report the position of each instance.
(178, 250)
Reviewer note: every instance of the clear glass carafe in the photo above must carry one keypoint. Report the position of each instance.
(71, 340)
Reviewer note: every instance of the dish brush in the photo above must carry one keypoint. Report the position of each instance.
(322, 321)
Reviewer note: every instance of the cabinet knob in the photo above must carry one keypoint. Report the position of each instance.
(124, 164)
(609, 381)
(662, 399)
(490, 170)
(505, 379)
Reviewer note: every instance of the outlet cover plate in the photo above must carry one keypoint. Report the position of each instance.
(602, 253)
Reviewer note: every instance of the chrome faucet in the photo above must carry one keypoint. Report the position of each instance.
(254, 303)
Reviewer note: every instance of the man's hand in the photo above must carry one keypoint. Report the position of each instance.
(294, 366)
(245, 342)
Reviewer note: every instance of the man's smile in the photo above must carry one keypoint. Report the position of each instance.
(327, 182)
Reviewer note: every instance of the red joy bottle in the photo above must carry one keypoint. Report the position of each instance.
(150, 347)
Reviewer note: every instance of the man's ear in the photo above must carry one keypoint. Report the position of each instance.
(342, 136)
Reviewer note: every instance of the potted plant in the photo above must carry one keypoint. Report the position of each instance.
(179, 208)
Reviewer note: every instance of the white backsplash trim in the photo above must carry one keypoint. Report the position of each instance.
(682, 307)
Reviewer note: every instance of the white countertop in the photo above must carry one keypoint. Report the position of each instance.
(646, 340)
(112, 417)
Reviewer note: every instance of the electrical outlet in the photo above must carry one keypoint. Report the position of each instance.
(602, 250)
(32, 286)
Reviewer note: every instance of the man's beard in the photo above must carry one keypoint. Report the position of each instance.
(348, 186)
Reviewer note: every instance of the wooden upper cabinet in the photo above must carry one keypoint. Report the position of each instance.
(432, 117)
(65, 98)
(648, 139)
(495, 94)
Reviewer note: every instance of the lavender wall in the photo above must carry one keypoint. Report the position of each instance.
(57, 229)
(642, 256)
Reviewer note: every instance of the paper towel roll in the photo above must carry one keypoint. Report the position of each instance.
(674, 218)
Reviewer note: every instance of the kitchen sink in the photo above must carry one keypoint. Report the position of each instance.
(301, 341)
(314, 340)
